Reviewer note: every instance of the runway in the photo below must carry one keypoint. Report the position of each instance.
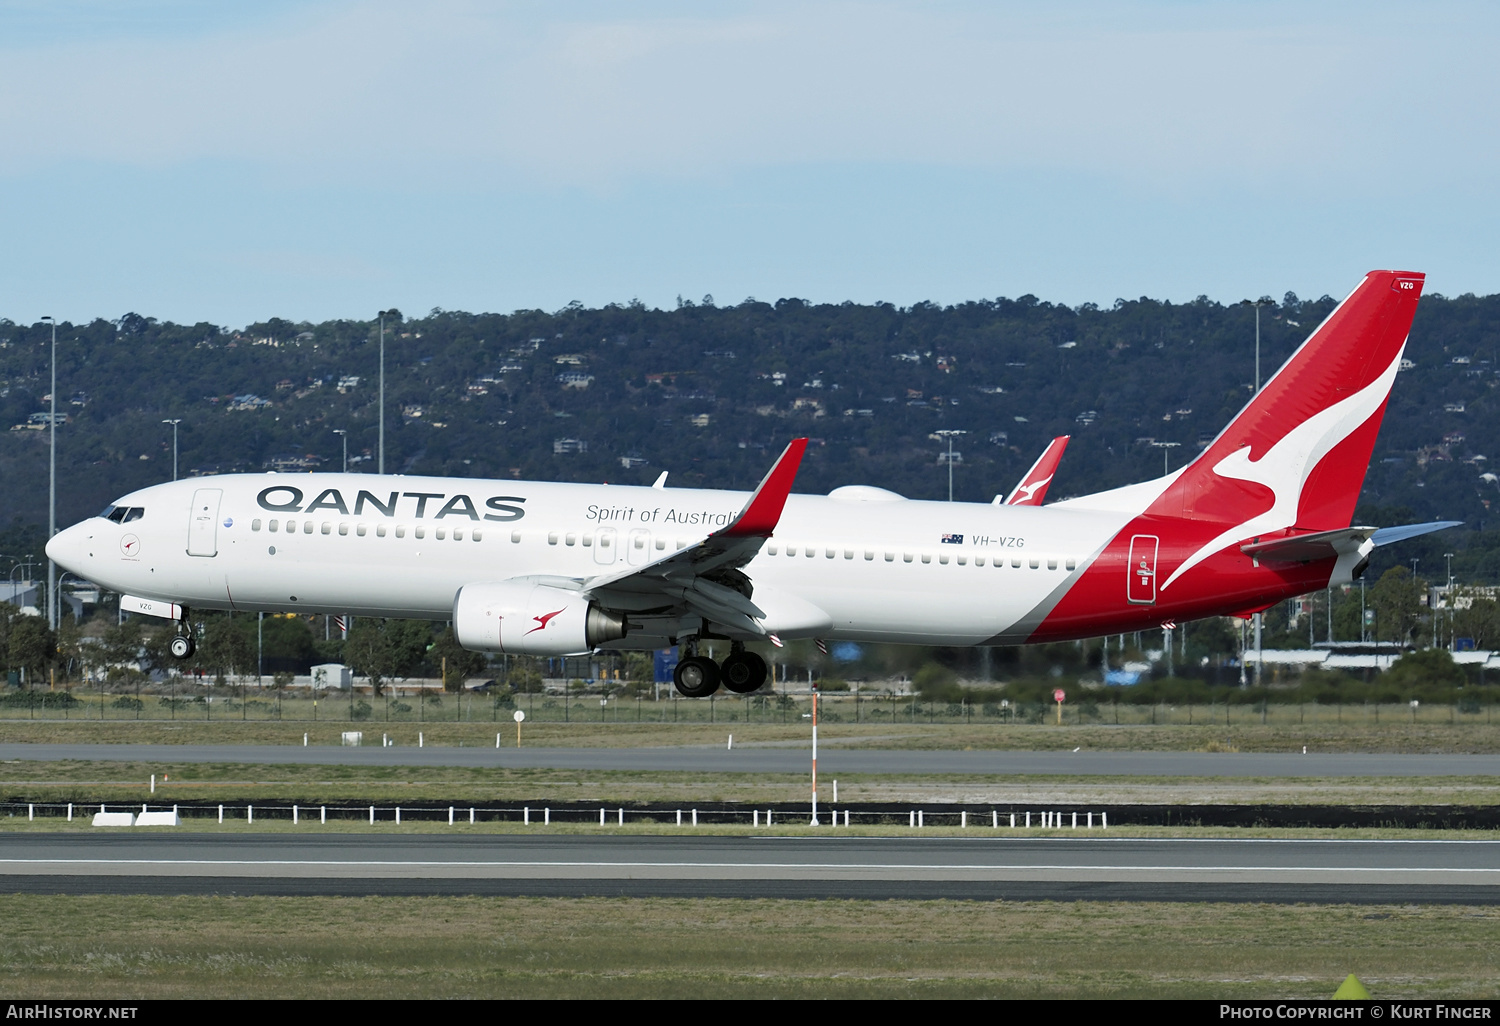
(768, 866)
(706, 759)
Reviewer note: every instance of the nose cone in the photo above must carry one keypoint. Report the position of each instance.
(67, 548)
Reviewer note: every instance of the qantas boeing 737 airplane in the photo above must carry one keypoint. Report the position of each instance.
(1262, 514)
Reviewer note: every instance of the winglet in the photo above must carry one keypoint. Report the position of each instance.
(1032, 489)
(761, 514)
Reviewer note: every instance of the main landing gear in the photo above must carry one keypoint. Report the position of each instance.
(741, 672)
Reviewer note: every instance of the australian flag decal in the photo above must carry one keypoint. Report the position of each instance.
(953, 539)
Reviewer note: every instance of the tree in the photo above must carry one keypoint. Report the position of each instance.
(523, 676)
(1427, 667)
(460, 663)
(227, 646)
(1480, 621)
(409, 642)
(33, 645)
(368, 652)
(1396, 599)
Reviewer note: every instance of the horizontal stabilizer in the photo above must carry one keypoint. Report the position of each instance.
(1305, 548)
(1391, 535)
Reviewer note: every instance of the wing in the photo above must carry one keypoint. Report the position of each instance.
(1032, 488)
(704, 579)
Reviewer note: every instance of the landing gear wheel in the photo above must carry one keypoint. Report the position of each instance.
(744, 672)
(182, 647)
(696, 677)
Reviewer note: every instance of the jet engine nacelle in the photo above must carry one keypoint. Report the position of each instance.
(524, 618)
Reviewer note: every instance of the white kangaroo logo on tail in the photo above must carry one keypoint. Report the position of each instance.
(1026, 491)
(1285, 467)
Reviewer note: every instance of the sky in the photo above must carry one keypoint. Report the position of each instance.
(314, 160)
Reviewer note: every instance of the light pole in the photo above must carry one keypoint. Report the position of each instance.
(174, 424)
(948, 433)
(1257, 303)
(52, 483)
(1451, 640)
(344, 434)
(381, 467)
(1164, 446)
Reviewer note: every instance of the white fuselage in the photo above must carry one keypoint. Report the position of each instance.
(892, 569)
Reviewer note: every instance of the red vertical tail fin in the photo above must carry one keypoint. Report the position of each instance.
(1296, 455)
(1305, 440)
(1032, 488)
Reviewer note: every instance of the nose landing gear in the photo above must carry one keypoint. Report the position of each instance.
(182, 646)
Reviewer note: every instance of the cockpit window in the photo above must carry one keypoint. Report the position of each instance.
(123, 514)
(134, 513)
(108, 514)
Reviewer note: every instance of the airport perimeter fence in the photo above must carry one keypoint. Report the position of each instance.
(248, 703)
(1002, 818)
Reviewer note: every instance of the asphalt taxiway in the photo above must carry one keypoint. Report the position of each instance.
(761, 866)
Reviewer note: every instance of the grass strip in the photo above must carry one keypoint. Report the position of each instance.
(401, 947)
(1389, 737)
